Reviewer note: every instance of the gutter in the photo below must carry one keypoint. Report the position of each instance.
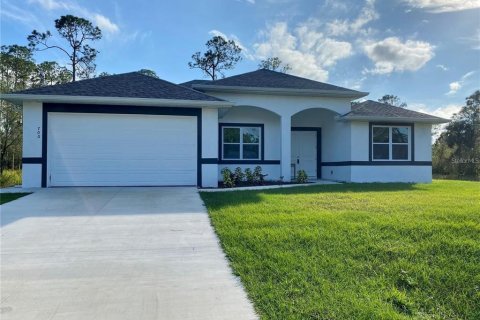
(19, 98)
(285, 91)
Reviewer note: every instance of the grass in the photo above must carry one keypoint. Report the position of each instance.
(7, 197)
(355, 251)
(10, 178)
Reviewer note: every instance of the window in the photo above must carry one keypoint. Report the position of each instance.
(391, 143)
(241, 143)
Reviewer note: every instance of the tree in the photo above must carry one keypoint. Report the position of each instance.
(148, 72)
(274, 64)
(220, 55)
(457, 150)
(77, 32)
(392, 100)
(104, 74)
(16, 67)
(49, 73)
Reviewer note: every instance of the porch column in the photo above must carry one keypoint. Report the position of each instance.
(286, 149)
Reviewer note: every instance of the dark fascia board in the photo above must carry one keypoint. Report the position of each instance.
(285, 91)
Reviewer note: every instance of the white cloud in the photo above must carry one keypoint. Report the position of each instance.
(391, 54)
(439, 6)
(341, 27)
(306, 50)
(446, 111)
(52, 4)
(457, 85)
(454, 87)
(442, 67)
(245, 51)
(103, 22)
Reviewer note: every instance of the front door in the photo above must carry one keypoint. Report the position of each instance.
(304, 153)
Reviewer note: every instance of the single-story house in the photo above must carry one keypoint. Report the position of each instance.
(135, 130)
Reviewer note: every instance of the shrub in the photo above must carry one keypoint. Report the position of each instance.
(238, 175)
(228, 180)
(258, 177)
(302, 176)
(10, 178)
(249, 176)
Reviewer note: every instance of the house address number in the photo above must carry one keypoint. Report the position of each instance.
(38, 132)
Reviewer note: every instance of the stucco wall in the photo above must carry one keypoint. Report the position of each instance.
(285, 105)
(411, 173)
(32, 144)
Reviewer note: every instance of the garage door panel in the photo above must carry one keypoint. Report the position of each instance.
(110, 149)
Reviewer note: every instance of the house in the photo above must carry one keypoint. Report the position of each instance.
(134, 130)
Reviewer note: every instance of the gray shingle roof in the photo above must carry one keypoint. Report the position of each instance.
(125, 85)
(269, 79)
(374, 109)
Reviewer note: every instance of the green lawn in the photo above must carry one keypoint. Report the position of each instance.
(355, 251)
(7, 197)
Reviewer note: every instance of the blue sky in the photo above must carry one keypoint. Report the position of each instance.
(425, 51)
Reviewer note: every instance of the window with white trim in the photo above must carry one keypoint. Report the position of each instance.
(241, 143)
(391, 143)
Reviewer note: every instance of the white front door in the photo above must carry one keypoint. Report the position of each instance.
(304, 153)
(95, 149)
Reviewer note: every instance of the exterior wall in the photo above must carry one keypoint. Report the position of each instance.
(360, 140)
(32, 145)
(337, 173)
(209, 148)
(423, 142)
(409, 173)
(286, 105)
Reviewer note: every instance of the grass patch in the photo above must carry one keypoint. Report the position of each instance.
(7, 197)
(355, 251)
(10, 178)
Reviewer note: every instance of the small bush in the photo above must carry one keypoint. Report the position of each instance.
(238, 175)
(302, 176)
(228, 180)
(249, 176)
(10, 178)
(258, 176)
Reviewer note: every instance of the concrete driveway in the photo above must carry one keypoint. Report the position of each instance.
(115, 253)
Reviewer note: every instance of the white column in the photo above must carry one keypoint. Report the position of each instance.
(209, 147)
(32, 144)
(286, 149)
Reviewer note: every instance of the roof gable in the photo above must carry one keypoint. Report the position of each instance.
(125, 85)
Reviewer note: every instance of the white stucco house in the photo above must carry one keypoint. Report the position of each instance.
(134, 130)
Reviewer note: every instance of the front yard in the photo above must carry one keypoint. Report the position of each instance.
(355, 251)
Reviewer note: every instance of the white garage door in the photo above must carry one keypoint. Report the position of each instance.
(121, 150)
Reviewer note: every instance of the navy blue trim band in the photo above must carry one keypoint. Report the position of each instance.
(249, 161)
(209, 160)
(32, 160)
(377, 163)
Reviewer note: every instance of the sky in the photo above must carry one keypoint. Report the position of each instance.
(427, 52)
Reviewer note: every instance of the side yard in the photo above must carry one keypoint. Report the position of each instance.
(355, 251)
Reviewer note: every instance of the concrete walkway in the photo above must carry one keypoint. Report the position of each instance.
(114, 253)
